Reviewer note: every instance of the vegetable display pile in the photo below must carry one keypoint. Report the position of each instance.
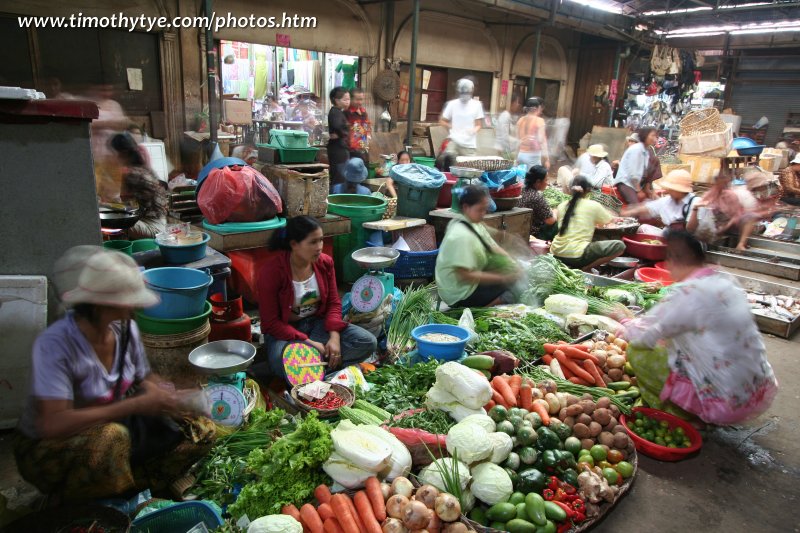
(398, 388)
(436, 422)
(554, 197)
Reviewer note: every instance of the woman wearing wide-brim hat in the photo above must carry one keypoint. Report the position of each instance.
(672, 209)
(98, 423)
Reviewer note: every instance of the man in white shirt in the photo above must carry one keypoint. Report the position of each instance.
(593, 166)
(463, 117)
(673, 208)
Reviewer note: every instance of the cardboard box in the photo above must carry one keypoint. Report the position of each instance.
(238, 112)
(704, 169)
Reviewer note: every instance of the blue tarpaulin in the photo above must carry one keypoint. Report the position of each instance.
(417, 176)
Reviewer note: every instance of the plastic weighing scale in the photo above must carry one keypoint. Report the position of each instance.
(465, 176)
(370, 290)
(225, 361)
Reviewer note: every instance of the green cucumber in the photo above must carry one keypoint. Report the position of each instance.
(534, 506)
(502, 512)
(479, 362)
(554, 512)
(519, 525)
(550, 527)
(479, 515)
(374, 410)
(632, 393)
(619, 385)
(521, 513)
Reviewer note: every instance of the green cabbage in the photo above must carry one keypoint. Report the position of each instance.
(491, 484)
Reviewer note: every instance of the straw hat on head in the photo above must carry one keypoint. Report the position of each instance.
(756, 179)
(597, 150)
(796, 160)
(633, 137)
(93, 275)
(677, 180)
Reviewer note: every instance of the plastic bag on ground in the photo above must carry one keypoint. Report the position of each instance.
(467, 321)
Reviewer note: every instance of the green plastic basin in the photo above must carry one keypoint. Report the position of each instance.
(172, 326)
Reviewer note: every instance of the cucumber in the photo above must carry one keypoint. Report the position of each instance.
(619, 385)
(374, 410)
(520, 526)
(632, 393)
(550, 527)
(534, 506)
(358, 416)
(479, 515)
(554, 512)
(485, 373)
(502, 512)
(499, 526)
(521, 513)
(478, 362)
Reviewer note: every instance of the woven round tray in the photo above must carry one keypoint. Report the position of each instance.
(612, 203)
(588, 524)
(487, 165)
(702, 121)
(339, 390)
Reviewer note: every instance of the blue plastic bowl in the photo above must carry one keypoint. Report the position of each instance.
(183, 291)
(188, 253)
(442, 351)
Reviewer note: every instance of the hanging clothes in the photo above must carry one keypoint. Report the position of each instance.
(348, 71)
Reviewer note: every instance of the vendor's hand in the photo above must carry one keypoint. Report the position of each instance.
(156, 399)
(318, 346)
(334, 351)
(513, 277)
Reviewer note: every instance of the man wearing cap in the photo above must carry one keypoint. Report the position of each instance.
(463, 118)
(593, 165)
(790, 182)
(96, 423)
(355, 173)
(673, 209)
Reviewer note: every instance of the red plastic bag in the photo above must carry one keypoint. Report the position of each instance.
(412, 437)
(238, 194)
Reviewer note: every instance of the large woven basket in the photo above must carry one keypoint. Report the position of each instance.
(611, 203)
(487, 165)
(169, 355)
(339, 390)
(702, 121)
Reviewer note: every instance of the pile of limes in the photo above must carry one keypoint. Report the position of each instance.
(659, 432)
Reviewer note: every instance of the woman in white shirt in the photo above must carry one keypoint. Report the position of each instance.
(633, 166)
(672, 209)
(593, 166)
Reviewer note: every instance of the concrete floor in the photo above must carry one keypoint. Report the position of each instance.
(743, 480)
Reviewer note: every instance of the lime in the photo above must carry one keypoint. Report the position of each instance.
(498, 413)
(664, 424)
(679, 431)
(517, 498)
(639, 423)
(588, 459)
(598, 453)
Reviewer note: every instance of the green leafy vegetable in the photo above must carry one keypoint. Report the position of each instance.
(398, 388)
(554, 197)
(436, 422)
(412, 310)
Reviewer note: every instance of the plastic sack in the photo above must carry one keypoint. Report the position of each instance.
(231, 191)
(351, 377)
(503, 178)
(417, 176)
(467, 321)
(413, 437)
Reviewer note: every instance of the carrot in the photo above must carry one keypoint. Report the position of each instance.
(364, 507)
(561, 343)
(498, 399)
(323, 494)
(550, 348)
(525, 396)
(501, 386)
(515, 382)
(291, 510)
(579, 372)
(325, 511)
(356, 517)
(373, 488)
(341, 507)
(542, 412)
(581, 347)
(574, 353)
(591, 368)
(567, 372)
(578, 381)
(332, 526)
(547, 358)
(489, 405)
(311, 518)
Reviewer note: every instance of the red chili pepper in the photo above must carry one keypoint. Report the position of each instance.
(554, 483)
(548, 494)
(567, 509)
(563, 527)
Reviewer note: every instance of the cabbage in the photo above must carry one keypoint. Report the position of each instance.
(484, 421)
(345, 473)
(624, 297)
(360, 448)
(431, 474)
(400, 460)
(275, 523)
(470, 441)
(467, 502)
(502, 446)
(438, 398)
(578, 325)
(563, 304)
(491, 484)
(471, 388)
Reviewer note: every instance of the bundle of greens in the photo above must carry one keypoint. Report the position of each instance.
(645, 295)
(435, 421)
(554, 197)
(286, 472)
(413, 310)
(398, 388)
(226, 464)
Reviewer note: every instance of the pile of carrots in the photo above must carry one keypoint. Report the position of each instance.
(338, 513)
(514, 391)
(576, 363)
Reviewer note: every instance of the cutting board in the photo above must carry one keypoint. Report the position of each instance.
(384, 143)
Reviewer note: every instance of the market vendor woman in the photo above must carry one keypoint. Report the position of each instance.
(471, 269)
(299, 303)
(84, 434)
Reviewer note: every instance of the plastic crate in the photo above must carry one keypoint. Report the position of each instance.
(414, 265)
(288, 138)
(296, 155)
(180, 517)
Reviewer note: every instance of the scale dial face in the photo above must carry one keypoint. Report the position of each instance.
(367, 294)
(227, 404)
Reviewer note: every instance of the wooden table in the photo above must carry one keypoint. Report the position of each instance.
(332, 225)
(515, 222)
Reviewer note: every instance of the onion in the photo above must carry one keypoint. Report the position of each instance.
(396, 505)
(393, 525)
(434, 524)
(455, 527)
(386, 490)
(447, 507)
(403, 487)
(416, 515)
(427, 494)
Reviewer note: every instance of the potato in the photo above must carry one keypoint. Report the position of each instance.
(584, 419)
(615, 374)
(581, 431)
(587, 444)
(606, 439)
(611, 425)
(600, 345)
(607, 379)
(587, 396)
(604, 402)
(626, 377)
(616, 361)
(572, 399)
(634, 381)
(621, 441)
(624, 454)
(562, 414)
(610, 338)
(574, 410)
(588, 406)
(621, 343)
(595, 429)
(602, 357)
(619, 429)
(614, 411)
(570, 421)
(602, 416)
(553, 403)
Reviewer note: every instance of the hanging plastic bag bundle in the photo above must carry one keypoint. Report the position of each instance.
(229, 190)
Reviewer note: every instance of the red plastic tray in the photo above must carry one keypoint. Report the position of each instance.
(657, 451)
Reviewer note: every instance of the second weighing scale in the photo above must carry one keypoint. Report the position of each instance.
(371, 289)
(225, 361)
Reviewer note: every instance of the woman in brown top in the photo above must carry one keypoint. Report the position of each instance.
(544, 219)
(790, 182)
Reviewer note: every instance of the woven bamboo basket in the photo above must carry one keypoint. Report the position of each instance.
(702, 121)
(169, 355)
(339, 390)
(391, 203)
(589, 523)
(487, 165)
(611, 203)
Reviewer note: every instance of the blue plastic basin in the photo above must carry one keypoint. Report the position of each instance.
(442, 351)
(183, 291)
(188, 253)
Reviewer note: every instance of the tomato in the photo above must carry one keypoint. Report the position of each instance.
(598, 453)
(614, 456)
(625, 469)
(611, 476)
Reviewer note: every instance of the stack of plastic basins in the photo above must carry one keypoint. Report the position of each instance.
(359, 209)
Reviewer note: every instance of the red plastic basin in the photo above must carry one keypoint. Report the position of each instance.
(656, 451)
(446, 192)
(662, 265)
(651, 252)
(650, 275)
(512, 191)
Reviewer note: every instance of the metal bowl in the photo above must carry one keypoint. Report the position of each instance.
(464, 172)
(506, 204)
(221, 358)
(111, 219)
(375, 257)
(624, 262)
